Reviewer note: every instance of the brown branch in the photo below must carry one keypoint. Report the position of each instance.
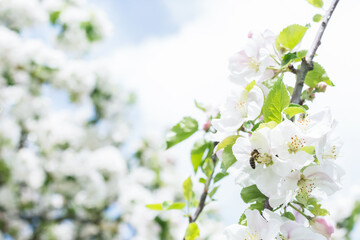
(203, 197)
(307, 62)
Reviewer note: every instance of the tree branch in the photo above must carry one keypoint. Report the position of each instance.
(205, 191)
(307, 62)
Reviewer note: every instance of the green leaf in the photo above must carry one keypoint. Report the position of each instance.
(277, 99)
(316, 3)
(166, 204)
(270, 125)
(192, 232)
(288, 57)
(269, 83)
(250, 85)
(309, 149)
(252, 194)
(199, 152)
(54, 16)
(292, 111)
(228, 158)
(315, 207)
(259, 205)
(290, 90)
(181, 131)
(220, 176)
(200, 106)
(349, 222)
(291, 36)
(211, 194)
(187, 189)
(176, 205)
(227, 141)
(317, 17)
(301, 54)
(242, 220)
(289, 215)
(318, 74)
(202, 180)
(156, 206)
(208, 167)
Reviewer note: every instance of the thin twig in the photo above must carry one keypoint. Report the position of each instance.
(203, 197)
(307, 62)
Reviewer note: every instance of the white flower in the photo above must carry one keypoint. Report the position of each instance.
(317, 124)
(294, 231)
(252, 62)
(287, 142)
(258, 228)
(241, 106)
(328, 147)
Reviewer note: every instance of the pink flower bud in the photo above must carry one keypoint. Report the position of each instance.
(250, 35)
(323, 227)
(207, 126)
(321, 87)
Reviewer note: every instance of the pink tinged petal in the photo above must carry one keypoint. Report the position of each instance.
(295, 231)
(321, 226)
(238, 61)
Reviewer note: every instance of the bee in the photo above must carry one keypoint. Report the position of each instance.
(254, 155)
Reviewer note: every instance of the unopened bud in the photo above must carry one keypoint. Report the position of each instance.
(250, 35)
(321, 87)
(322, 226)
(207, 126)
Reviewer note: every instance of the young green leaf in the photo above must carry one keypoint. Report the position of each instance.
(227, 141)
(156, 206)
(316, 3)
(292, 111)
(291, 36)
(288, 57)
(242, 220)
(252, 194)
(187, 189)
(208, 167)
(201, 150)
(317, 17)
(199, 106)
(277, 99)
(181, 131)
(318, 74)
(289, 215)
(192, 232)
(220, 176)
(212, 193)
(228, 158)
(176, 206)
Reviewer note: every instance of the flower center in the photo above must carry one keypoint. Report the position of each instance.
(332, 154)
(254, 64)
(264, 159)
(296, 144)
(304, 122)
(252, 235)
(306, 186)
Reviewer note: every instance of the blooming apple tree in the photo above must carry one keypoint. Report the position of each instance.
(64, 173)
(279, 150)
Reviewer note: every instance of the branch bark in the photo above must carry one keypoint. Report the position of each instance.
(307, 62)
(203, 197)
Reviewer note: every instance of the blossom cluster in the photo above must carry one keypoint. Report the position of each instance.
(279, 151)
(64, 170)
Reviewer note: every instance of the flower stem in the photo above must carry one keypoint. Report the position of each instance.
(306, 216)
